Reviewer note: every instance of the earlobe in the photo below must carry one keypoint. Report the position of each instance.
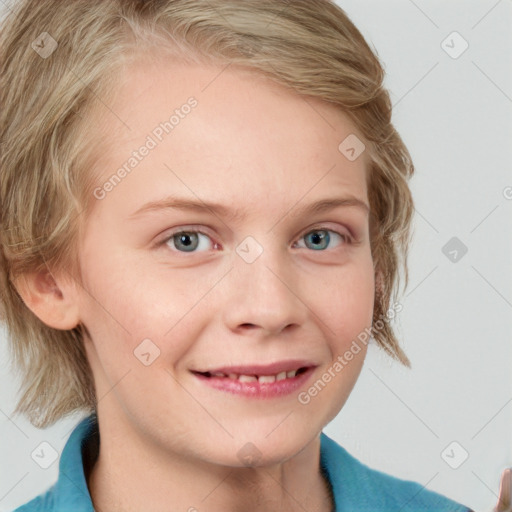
(52, 301)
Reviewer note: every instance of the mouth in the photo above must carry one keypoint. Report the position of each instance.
(266, 381)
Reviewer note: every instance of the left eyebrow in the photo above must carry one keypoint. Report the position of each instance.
(177, 203)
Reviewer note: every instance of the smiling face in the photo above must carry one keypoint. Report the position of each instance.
(173, 292)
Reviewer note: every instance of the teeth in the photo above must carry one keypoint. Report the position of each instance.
(247, 378)
(263, 379)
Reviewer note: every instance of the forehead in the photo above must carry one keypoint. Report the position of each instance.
(222, 132)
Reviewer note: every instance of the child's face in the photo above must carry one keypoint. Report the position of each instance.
(262, 152)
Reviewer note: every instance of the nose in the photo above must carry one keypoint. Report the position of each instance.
(264, 296)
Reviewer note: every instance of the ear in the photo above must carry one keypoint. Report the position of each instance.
(53, 299)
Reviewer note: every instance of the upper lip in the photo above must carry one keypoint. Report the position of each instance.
(261, 369)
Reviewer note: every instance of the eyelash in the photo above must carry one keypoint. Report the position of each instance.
(347, 238)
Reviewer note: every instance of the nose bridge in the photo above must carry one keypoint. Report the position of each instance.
(262, 286)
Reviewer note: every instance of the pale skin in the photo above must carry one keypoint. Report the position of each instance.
(168, 441)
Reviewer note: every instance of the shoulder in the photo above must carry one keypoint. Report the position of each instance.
(42, 503)
(358, 487)
(70, 492)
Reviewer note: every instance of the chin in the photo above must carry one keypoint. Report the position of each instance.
(253, 447)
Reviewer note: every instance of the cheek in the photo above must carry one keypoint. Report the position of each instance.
(346, 300)
(349, 307)
(127, 303)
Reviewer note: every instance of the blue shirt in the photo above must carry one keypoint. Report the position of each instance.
(355, 486)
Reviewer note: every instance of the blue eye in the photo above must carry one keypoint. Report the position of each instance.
(319, 239)
(190, 241)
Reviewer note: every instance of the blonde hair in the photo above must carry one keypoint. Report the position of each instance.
(48, 101)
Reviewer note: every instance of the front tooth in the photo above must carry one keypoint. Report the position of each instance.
(218, 374)
(247, 378)
(233, 376)
(267, 378)
(281, 376)
(291, 374)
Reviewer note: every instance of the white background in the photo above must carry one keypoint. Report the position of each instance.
(455, 115)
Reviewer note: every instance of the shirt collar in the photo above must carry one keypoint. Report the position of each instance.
(71, 491)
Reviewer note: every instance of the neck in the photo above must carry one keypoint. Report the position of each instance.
(126, 465)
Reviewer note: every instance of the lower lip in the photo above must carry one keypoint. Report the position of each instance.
(256, 389)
